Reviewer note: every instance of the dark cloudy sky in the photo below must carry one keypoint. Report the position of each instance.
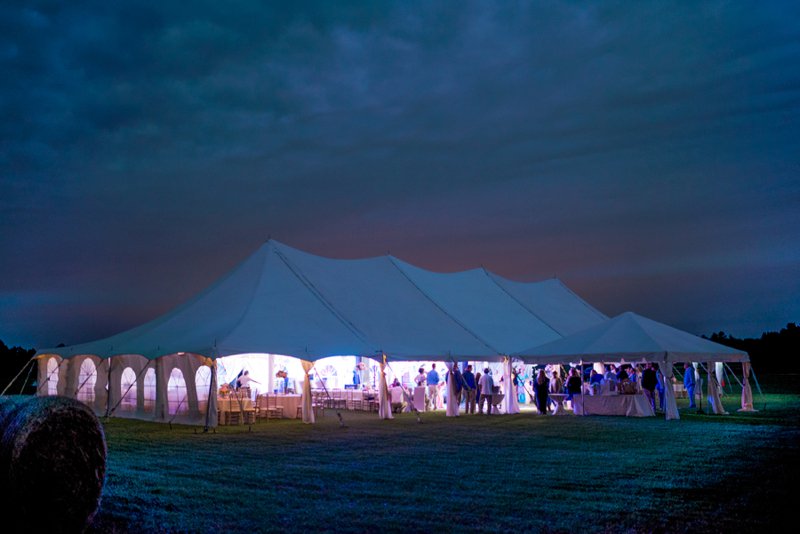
(647, 153)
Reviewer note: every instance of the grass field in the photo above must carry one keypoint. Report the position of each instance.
(521, 473)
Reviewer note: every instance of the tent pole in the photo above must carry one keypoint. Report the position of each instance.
(108, 389)
(122, 395)
(756, 379)
(734, 375)
(55, 371)
(325, 389)
(210, 392)
(583, 404)
(18, 374)
(27, 377)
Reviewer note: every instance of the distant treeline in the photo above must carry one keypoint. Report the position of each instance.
(772, 352)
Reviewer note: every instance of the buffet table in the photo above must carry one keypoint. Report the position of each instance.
(628, 405)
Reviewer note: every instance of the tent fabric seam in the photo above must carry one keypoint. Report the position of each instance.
(298, 273)
(518, 301)
(440, 308)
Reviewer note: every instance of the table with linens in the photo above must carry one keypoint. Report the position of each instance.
(419, 398)
(241, 406)
(290, 403)
(615, 404)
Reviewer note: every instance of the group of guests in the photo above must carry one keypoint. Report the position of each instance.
(625, 379)
(475, 390)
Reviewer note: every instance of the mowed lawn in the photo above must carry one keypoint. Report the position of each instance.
(521, 473)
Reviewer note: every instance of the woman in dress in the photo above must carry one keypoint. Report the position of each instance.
(541, 387)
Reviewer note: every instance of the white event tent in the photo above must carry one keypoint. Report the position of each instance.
(632, 338)
(287, 302)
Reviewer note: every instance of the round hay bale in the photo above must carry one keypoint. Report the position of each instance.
(52, 463)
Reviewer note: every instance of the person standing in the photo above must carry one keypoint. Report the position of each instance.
(556, 384)
(244, 380)
(541, 386)
(433, 388)
(486, 384)
(420, 379)
(573, 383)
(611, 371)
(649, 383)
(595, 382)
(478, 388)
(660, 385)
(458, 384)
(469, 389)
(689, 382)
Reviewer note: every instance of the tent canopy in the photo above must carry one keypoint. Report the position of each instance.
(284, 301)
(631, 337)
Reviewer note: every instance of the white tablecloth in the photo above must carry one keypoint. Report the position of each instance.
(233, 404)
(397, 395)
(629, 405)
(419, 398)
(290, 404)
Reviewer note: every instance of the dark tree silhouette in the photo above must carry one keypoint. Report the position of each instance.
(773, 352)
(13, 360)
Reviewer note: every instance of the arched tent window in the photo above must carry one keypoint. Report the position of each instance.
(149, 390)
(128, 390)
(52, 377)
(202, 380)
(176, 393)
(86, 380)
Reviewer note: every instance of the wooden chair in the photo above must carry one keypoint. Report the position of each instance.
(318, 403)
(241, 410)
(249, 414)
(274, 411)
(357, 403)
(233, 413)
(374, 405)
(261, 406)
(338, 399)
(223, 408)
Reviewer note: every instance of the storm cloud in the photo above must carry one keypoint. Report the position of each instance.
(647, 153)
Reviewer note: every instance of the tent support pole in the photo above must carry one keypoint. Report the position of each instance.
(210, 392)
(27, 377)
(583, 412)
(54, 371)
(734, 375)
(758, 386)
(108, 389)
(18, 374)
(325, 389)
(136, 381)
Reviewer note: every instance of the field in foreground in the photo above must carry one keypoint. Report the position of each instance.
(519, 473)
